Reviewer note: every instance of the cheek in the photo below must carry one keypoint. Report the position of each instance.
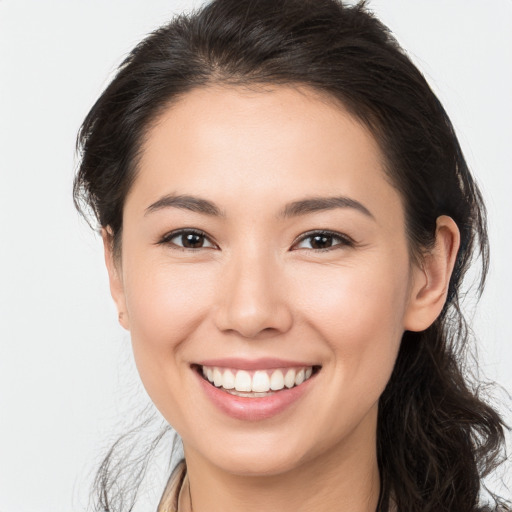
(165, 303)
(355, 300)
(359, 315)
(165, 306)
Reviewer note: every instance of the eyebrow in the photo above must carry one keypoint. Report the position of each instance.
(293, 209)
(186, 202)
(316, 204)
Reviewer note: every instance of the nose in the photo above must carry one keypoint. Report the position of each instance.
(252, 299)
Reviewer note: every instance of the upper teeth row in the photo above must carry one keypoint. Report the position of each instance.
(260, 382)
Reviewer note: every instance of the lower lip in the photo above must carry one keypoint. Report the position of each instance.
(257, 408)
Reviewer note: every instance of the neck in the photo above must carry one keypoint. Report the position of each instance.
(345, 478)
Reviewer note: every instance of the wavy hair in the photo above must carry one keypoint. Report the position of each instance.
(437, 437)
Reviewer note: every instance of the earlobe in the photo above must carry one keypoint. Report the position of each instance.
(430, 282)
(114, 276)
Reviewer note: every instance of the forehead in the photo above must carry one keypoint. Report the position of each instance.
(261, 144)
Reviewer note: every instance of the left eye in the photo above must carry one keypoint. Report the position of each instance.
(323, 241)
(188, 239)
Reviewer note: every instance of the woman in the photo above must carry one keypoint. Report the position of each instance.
(287, 219)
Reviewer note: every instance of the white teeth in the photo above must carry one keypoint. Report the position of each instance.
(260, 382)
(228, 381)
(289, 378)
(243, 381)
(299, 378)
(217, 377)
(277, 380)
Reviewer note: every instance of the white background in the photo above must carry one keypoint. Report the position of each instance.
(66, 375)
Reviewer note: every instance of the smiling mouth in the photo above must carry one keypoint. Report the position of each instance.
(257, 383)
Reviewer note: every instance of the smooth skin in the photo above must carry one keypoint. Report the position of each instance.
(258, 284)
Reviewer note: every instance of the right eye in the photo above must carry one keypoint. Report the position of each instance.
(187, 240)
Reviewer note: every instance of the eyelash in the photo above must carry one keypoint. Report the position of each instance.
(345, 241)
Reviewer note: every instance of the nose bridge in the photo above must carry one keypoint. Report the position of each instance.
(252, 297)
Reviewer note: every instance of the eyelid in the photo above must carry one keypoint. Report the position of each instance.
(166, 239)
(346, 241)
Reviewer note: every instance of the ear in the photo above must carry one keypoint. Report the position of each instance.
(115, 276)
(432, 277)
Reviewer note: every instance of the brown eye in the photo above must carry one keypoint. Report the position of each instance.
(187, 239)
(192, 240)
(324, 240)
(321, 241)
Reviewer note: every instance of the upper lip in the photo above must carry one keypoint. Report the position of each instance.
(264, 363)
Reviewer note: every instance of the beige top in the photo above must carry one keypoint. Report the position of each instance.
(176, 497)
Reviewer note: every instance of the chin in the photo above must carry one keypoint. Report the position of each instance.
(258, 455)
(258, 464)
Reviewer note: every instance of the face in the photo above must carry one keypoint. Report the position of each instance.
(264, 246)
